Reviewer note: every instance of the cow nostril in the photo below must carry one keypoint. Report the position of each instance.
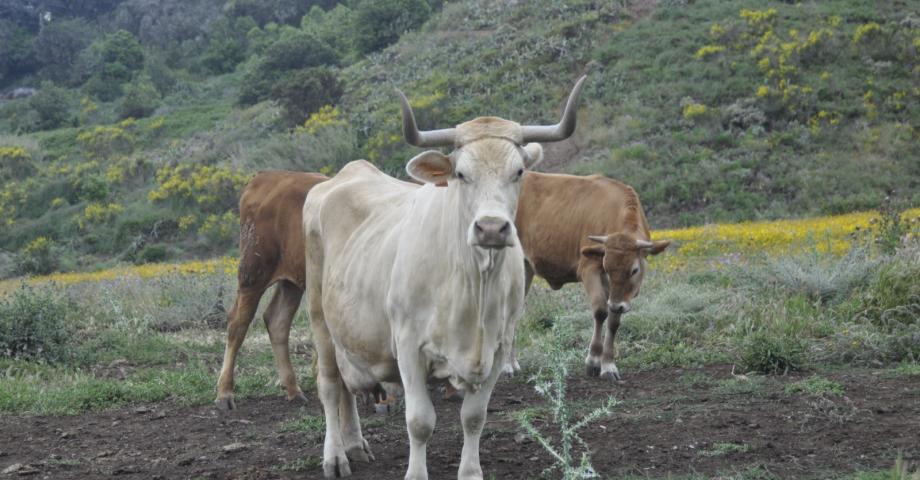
(505, 227)
(477, 227)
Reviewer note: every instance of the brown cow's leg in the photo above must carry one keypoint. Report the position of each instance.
(609, 369)
(238, 320)
(278, 318)
(591, 278)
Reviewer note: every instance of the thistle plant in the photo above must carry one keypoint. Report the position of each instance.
(571, 454)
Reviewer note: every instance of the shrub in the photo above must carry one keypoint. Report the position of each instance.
(294, 50)
(140, 100)
(15, 162)
(52, 106)
(220, 230)
(37, 257)
(767, 352)
(379, 23)
(210, 187)
(303, 92)
(97, 214)
(152, 254)
(35, 323)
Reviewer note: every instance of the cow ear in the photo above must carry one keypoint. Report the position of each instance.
(593, 251)
(534, 155)
(653, 248)
(430, 167)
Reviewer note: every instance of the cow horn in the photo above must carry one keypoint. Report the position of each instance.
(561, 130)
(598, 238)
(432, 138)
(643, 244)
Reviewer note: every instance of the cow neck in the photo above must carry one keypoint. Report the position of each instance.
(480, 264)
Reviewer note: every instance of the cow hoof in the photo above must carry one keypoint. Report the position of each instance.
(299, 396)
(337, 467)
(360, 453)
(225, 403)
(592, 370)
(612, 376)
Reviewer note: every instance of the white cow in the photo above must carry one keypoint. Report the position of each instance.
(409, 283)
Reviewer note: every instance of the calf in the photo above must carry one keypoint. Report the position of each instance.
(590, 230)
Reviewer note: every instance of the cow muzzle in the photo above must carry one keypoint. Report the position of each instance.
(492, 232)
(618, 308)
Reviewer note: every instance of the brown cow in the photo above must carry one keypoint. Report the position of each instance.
(271, 252)
(590, 230)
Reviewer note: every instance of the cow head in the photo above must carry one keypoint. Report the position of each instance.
(485, 168)
(623, 257)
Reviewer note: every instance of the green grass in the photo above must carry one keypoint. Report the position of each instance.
(814, 387)
(721, 449)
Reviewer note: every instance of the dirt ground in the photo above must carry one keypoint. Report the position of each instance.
(668, 422)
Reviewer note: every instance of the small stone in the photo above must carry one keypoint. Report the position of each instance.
(186, 460)
(159, 415)
(522, 438)
(141, 409)
(13, 468)
(67, 434)
(116, 423)
(533, 459)
(234, 447)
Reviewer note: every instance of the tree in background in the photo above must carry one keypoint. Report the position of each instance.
(302, 92)
(112, 61)
(379, 23)
(294, 50)
(51, 105)
(141, 98)
(57, 46)
(16, 56)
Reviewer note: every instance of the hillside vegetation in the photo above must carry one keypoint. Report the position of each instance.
(151, 116)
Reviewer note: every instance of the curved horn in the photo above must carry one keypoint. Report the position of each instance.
(432, 138)
(598, 238)
(561, 130)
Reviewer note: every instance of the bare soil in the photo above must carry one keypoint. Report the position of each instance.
(665, 424)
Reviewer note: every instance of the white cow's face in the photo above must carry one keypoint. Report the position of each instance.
(485, 175)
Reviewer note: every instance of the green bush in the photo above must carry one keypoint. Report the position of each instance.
(37, 257)
(302, 92)
(379, 23)
(767, 352)
(35, 323)
(294, 50)
(52, 106)
(140, 100)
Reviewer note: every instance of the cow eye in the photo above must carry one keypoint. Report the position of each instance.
(461, 177)
(520, 172)
(634, 272)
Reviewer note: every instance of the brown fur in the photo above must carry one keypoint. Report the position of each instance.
(556, 215)
(271, 252)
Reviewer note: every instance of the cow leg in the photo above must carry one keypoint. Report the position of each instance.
(512, 366)
(597, 295)
(473, 418)
(238, 320)
(278, 318)
(420, 414)
(356, 447)
(609, 369)
(329, 385)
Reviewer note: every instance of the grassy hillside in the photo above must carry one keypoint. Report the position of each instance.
(713, 110)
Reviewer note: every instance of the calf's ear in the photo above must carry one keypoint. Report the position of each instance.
(593, 251)
(430, 167)
(534, 153)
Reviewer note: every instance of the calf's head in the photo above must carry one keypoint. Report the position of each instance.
(485, 168)
(623, 257)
